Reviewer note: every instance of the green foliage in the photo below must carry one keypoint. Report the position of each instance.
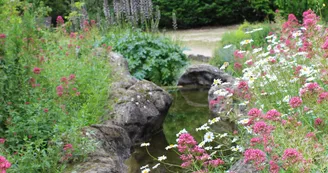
(234, 38)
(297, 7)
(35, 118)
(191, 13)
(150, 57)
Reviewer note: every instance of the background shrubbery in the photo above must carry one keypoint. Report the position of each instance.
(193, 13)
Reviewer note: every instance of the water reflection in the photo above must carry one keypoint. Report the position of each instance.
(189, 110)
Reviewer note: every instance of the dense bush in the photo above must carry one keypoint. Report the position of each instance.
(230, 42)
(51, 86)
(150, 57)
(297, 7)
(191, 13)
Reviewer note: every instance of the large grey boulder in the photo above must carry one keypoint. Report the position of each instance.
(112, 149)
(139, 110)
(202, 75)
(140, 106)
(241, 167)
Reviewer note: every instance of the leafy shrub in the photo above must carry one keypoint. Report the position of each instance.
(297, 7)
(150, 57)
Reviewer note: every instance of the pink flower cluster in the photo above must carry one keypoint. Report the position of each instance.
(309, 19)
(261, 127)
(3, 36)
(64, 87)
(192, 153)
(311, 88)
(68, 147)
(60, 21)
(292, 156)
(273, 115)
(295, 102)
(291, 23)
(68, 150)
(36, 70)
(256, 156)
(4, 164)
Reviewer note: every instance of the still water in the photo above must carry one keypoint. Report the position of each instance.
(189, 110)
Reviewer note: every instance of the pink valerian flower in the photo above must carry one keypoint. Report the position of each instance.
(297, 70)
(311, 135)
(216, 101)
(64, 80)
(325, 44)
(216, 162)
(291, 155)
(60, 20)
(86, 23)
(255, 141)
(237, 66)
(4, 164)
(93, 22)
(71, 76)
(273, 115)
(309, 19)
(322, 97)
(3, 36)
(186, 157)
(291, 23)
(186, 141)
(72, 35)
(36, 70)
(203, 157)
(2, 140)
(242, 85)
(186, 164)
(312, 88)
(318, 121)
(238, 54)
(68, 147)
(274, 167)
(256, 156)
(198, 150)
(295, 102)
(60, 90)
(254, 112)
(261, 127)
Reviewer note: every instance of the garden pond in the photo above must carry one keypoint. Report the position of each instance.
(189, 110)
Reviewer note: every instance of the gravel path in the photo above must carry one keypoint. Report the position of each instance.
(200, 41)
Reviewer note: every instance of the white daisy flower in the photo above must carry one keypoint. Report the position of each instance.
(144, 144)
(171, 146)
(155, 166)
(227, 46)
(145, 170)
(161, 158)
(208, 137)
(217, 82)
(244, 42)
(144, 167)
(181, 132)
